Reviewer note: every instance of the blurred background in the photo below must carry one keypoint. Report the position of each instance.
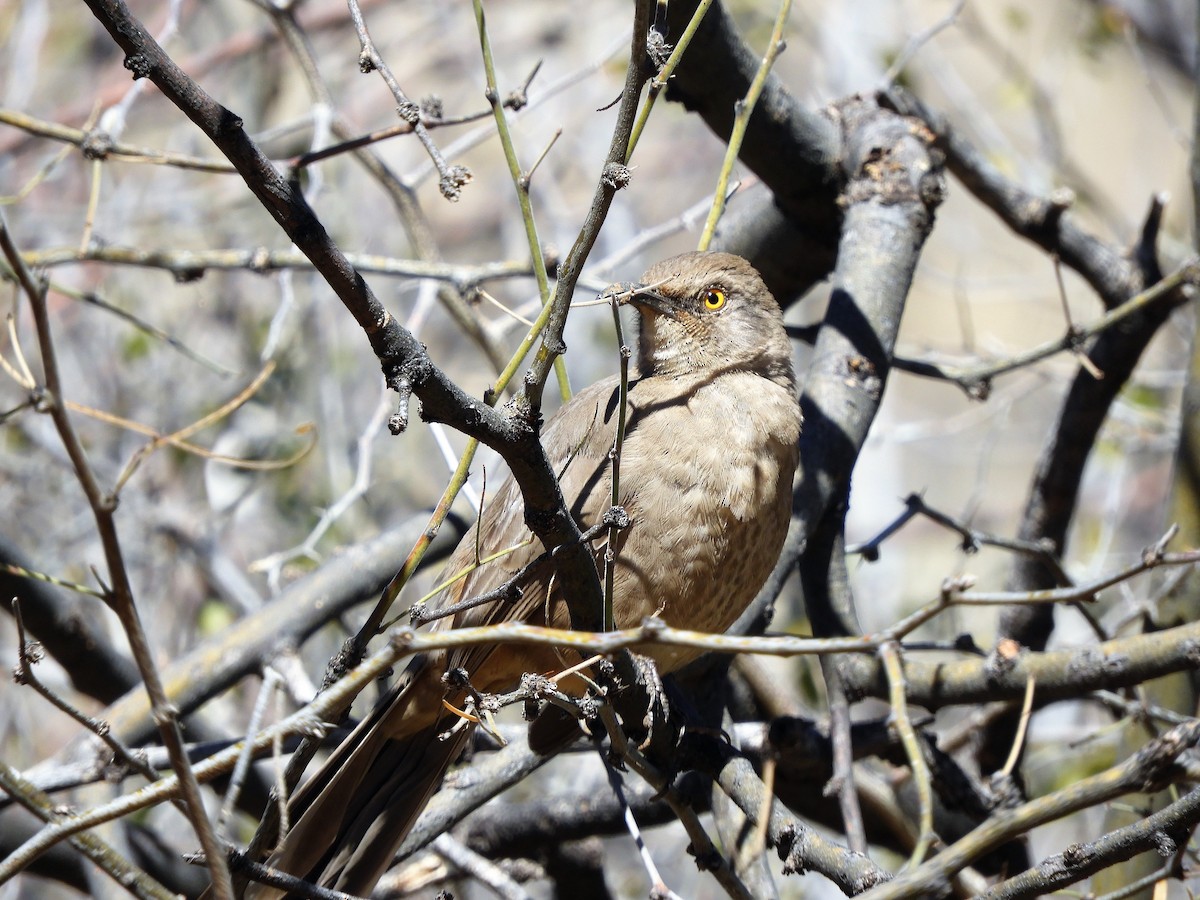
(162, 315)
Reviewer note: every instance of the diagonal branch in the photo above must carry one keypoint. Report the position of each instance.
(405, 362)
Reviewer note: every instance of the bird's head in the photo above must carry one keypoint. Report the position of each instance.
(710, 312)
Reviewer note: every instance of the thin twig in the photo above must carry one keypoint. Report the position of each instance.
(28, 654)
(664, 73)
(452, 177)
(117, 866)
(120, 597)
(266, 693)
(919, 40)
(743, 109)
(889, 654)
(520, 182)
(976, 381)
(702, 846)
(614, 455)
(658, 884)
(1018, 746)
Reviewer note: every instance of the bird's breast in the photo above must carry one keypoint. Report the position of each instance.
(707, 481)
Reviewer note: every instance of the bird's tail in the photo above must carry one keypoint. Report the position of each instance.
(358, 808)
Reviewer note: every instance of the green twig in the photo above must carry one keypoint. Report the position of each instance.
(889, 655)
(664, 74)
(521, 182)
(741, 119)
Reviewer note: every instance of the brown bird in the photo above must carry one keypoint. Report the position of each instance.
(706, 478)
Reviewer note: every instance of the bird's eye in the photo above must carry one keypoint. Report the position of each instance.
(714, 298)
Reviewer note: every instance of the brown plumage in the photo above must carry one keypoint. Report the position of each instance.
(706, 477)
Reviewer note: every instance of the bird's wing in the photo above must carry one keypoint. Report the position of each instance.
(577, 447)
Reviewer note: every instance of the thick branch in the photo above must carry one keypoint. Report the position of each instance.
(893, 189)
(1060, 674)
(794, 151)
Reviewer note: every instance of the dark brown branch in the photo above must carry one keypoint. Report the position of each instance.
(401, 355)
(1044, 221)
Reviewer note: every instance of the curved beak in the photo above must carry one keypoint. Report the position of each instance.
(647, 299)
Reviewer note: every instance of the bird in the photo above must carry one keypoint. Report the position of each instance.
(706, 468)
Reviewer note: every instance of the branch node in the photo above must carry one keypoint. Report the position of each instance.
(138, 64)
(1061, 199)
(616, 517)
(409, 112)
(616, 176)
(402, 638)
(657, 48)
(96, 144)
(165, 714)
(399, 419)
(453, 181)
(1164, 845)
(432, 108)
(1076, 855)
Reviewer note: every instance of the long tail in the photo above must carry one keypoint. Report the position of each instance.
(358, 808)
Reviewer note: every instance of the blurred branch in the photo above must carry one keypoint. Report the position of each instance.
(361, 141)
(976, 380)
(511, 828)
(273, 563)
(456, 800)
(119, 595)
(1045, 222)
(55, 777)
(309, 721)
(189, 265)
(106, 858)
(487, 873)
(291, 617)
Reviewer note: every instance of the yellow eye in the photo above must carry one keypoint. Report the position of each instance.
(714, 298)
